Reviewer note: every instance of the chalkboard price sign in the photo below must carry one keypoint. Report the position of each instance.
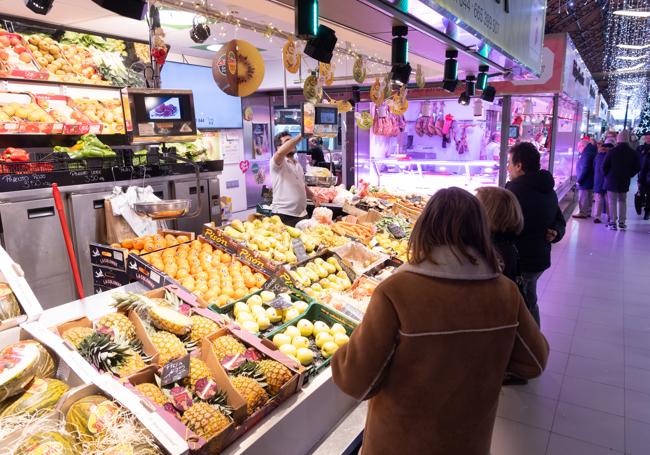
(275, 284)
(299, 250)
(281, 302)
(175, 370)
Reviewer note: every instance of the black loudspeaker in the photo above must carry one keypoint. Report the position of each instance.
(134, 9)
(322, 47)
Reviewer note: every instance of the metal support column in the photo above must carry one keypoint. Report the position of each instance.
(506, 109)
(554, 127)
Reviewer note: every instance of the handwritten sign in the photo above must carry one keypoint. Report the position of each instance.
(175, 370)
(275, 284)
(299, 250)
(396, 230)
(281, 302)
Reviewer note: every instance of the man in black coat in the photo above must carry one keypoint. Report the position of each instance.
(585, 173)
(644, 181)
(621, 164)
(544, 222)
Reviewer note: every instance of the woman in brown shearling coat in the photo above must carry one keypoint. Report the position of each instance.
(438, 337)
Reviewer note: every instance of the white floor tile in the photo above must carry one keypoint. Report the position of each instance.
(593, 395)
(637, 437)
(637, 406)
(562, 445)
(596, 349)
(557, 362)
(589, 425)
(513, 438)
(637, 379)
(527, 408)
(601, 371)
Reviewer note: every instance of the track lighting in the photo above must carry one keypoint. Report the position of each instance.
(401, 69)
(464, 99)
(306, 19)
(470, 91)
(39, 6)
(450, 78)
(489, 94)
(482, 79)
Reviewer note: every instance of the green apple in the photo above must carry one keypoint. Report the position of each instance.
(300, 342)
(263, 322)
(288, 349)
(240, 307)
(292, 331)
(273, 315)
(306, 327)
(322, 338)
(328, 349)
(305, 356)
(341, 339)
(320, 326)
(301, 306)
(267, 296)
(280, 339)
(250, 326)
(244, 317)
(254, 300)
(337, 328)
(258, 309)
(291, 314)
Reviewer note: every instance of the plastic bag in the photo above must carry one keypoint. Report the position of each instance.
(323, 215)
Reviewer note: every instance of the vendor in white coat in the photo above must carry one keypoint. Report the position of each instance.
(290, 192)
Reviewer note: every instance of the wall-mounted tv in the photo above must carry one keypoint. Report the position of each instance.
(213, 108)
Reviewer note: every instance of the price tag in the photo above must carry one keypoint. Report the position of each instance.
(175, 370)
(281, 302)
(396, 230)
(299, 250)
(275, 284)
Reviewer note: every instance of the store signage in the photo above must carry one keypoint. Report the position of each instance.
(514, 28)
(175, 370)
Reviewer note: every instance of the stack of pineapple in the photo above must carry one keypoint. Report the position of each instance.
(255, 378)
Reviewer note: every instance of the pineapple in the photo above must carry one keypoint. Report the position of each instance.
(166, 318)
(169, 346)
(205, 420)
(76, 335)
(152, 392)
(118, 323)
(227, 346)
(101, 351)
(251, 391)
(275, 373)
(198, 370)
(134, 363)
(202, 327)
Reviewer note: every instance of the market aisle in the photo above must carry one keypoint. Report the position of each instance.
(594, 397)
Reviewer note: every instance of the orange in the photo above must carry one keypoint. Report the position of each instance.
(194, 270)
(225, 258)
(259, 280)
(195, 245)
(136, 252)
(207, 247)
(229, 291)
(182, 239)
(170, 238)
(160, 245)
(202, 287)
(138, 244)
(246, 269)
(249, 280)
(182, 273)
(149, 246)
(223, 300)
(184, 247)
(128, 243)
(240, 292)
(203, 275)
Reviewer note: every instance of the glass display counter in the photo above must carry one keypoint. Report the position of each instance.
(428, 176)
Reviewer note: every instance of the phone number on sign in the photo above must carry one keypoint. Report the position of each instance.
(485, 18)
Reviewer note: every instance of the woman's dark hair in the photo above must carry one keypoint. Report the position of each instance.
(526, 154)
(277, 140)
(456, 219)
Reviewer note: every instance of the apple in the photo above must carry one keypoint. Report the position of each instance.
(254, 300)
(263, 322)
(328, 349)
(273, 315)
(305, 356)
(300, 342)
(291, 314)
(267, 296)
(239, 307)
(244, 316)
(280, 339)
(341, 339)
(337, 328)
(288, 349)
(257, 310)
(300, 306)
(250, 326)
(292, 331)
(322, 338)
(320, 326)
(306, 327)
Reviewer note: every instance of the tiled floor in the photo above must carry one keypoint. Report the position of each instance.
(594, 397)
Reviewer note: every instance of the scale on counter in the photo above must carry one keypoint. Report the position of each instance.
(158, 116)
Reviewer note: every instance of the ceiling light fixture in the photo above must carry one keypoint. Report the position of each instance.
(401, 69)
(39, 6)
(463, 99)
(450, 78)
(200, 30)
(632, 13)
(489, 94)
(482, 81)
(214, 47)
(635, 47)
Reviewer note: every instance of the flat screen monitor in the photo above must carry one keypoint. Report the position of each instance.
(213, 108)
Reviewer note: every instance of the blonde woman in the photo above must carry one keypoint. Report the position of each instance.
(506, 222)
(438, 337)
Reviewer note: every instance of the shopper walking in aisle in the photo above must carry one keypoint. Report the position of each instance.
(599, 180)
(431, 362)
(506, 222)
(585, 173)
(544, 222)
(621, 164)
(290, 192)
(644, 181)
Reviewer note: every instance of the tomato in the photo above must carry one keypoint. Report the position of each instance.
(4, 41)
(19, 49)
(4, 55)
(14, 41)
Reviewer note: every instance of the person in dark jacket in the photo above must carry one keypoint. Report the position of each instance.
(621, 164)
(544, 222)
(585, 173)
(506, 222)
(599, 180)
(644, 181)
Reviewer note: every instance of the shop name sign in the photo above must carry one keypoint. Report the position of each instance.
(515, 28)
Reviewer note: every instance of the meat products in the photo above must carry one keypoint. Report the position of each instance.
(419, 126)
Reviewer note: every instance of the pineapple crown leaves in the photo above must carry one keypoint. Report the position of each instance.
(220, 401)
(251, 370)
(103, 352)
(173, 300)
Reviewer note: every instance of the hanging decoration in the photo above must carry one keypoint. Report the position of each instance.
(419, 77)
(290, 56)
(238, 68)
(359, 70)
(363, 120)
(326, 72)
(377, 92)
(312, 90)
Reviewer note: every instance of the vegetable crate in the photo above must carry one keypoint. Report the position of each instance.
(318, 312)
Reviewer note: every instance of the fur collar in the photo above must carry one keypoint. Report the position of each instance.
(447, 266)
